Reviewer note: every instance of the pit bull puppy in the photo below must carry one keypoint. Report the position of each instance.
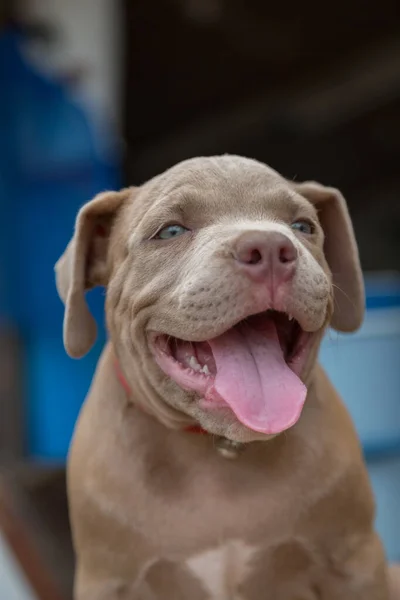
(213, 459)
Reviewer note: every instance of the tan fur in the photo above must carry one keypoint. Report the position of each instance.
(157, 512)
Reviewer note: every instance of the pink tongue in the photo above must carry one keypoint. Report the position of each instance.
(254, 379)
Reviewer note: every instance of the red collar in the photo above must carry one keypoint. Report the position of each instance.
(125, 385)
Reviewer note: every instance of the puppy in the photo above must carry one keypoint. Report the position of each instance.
(213, 459)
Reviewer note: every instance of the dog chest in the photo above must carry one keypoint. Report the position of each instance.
(222, 570)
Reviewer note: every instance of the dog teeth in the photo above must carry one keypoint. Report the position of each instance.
(194, 364)
(290, 317)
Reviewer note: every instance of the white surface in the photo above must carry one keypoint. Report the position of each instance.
(13, 585)
(88, 37)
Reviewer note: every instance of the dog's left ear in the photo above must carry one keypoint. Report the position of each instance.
(341, 253)
(85, 265)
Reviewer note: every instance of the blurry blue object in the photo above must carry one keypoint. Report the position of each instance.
(5, 267)
(48, 132)
(57, 388)
(382, 290)
(49, 167)
(385, 477)
(365, 368)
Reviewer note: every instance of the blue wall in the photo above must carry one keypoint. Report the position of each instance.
(49, 167)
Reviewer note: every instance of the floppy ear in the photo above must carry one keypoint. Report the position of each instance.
(83, 266)
(341, 253)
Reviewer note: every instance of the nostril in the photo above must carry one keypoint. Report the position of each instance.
(262, 251)
(287, 253)
(255, 257)
(283, 255)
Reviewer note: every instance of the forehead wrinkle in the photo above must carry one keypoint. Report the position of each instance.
(155, 219)
(292, 201)
(283, 195)
(177, 196)
(162, 212)
(302, 202)
(177, 204)
(170, 185)
(165, 209)
(248, 223)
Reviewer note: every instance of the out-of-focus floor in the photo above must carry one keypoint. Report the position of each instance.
(13, 585)
(36, 557)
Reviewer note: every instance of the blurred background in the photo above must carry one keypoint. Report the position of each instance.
(96, 94)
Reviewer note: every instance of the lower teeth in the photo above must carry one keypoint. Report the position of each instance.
(194, 364)
(197, 367)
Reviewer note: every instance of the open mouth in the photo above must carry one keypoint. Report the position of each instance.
(253, 369)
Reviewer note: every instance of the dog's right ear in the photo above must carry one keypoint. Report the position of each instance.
(85, 265)
(341, 253)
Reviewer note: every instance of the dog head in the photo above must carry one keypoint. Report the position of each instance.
(221, 278)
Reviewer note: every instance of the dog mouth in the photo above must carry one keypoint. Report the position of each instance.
(253, 369)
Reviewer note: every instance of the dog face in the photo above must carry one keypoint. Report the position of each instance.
(221, 278)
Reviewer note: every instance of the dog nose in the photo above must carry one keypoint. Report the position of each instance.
(266, 254)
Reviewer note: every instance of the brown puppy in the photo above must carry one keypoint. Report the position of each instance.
(221, 278)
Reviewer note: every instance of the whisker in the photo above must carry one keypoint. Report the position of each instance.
(344, 293)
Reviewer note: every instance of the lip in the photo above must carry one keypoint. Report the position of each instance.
(195, 381)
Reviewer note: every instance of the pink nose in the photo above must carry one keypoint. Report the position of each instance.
(266, 255)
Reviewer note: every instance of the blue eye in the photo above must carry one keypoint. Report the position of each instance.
(170, 232)
(303, 226)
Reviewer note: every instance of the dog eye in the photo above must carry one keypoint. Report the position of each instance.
(170, 232)
(303, 226)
